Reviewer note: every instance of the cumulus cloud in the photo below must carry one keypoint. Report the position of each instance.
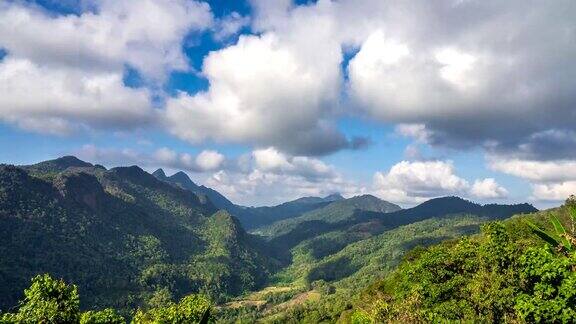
(488, 189)
(550, 180)
(209, 160)
(62, 100)
(472, 72)
(65, 72)
(259, 187)
(262, 91)
(272, 161)
(268, 176)
(462, 69)
(459, 70)
(146, 35)
(415, 131)
(230, 25)
(554, 192)
(537, 171)
(417, 181)
(205, 161)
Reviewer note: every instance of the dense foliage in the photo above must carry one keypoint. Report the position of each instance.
(53, 301)
(377, 215)
(505, 274)
(135, 244)
(341, 277)
(124, 237)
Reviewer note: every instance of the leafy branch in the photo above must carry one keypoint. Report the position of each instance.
(559, 238)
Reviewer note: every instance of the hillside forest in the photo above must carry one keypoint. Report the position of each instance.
(84, 244)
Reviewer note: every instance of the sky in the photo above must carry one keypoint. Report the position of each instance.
(271, 100)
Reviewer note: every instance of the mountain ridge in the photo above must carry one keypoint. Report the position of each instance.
(146, 234)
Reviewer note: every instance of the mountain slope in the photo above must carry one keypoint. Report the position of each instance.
(328, 272)
(256, 217)
(334, 212)
(345, 217)
(123, 236)
(250, 217)
(506, 273)
(57, 165)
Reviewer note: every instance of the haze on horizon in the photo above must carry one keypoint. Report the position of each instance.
(267, 101)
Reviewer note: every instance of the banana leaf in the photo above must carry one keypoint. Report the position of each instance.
(551, 239)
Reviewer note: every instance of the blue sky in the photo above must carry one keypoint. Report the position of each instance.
(268, 101)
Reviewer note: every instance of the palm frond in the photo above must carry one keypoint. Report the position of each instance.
(561, 232)
(205, 316)
(547, 237)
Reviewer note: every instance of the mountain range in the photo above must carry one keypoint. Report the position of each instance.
(129, 239)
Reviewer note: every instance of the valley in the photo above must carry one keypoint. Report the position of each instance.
(130, 239)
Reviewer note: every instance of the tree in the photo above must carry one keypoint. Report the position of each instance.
(191, 309)
(561, 239)
(47, 301)
(106, 316)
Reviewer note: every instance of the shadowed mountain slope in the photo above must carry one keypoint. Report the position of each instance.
(124, 237)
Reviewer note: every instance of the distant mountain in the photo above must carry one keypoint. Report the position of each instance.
(181, 179)
(316, 200)
(124, 237)
(129, 239)
(160, 175)
(250, 217)
(374, 216)
(254, 218)
(58, 165)
(334, 212)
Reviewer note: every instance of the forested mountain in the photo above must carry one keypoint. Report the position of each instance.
(251, 217)
(131, 239)
(124, 237)
(521, 270)
(338, 211)
(181, 179)
(358, 217)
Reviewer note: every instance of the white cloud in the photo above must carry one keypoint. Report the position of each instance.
(267, 176)
(537, 171)
(266, 188)
(417, 181)
(488, 189)
(209, 160)
(554, 192)
(205, 161)
(272, 161)
(445, 64)
(474, 63)
(61, 100)
(146, 34)
(442, 65)
(416, 131)
(65, 72)
(262, 91)
(550, 180)
(230, 26)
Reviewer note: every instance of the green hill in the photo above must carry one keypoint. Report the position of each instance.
(506, 273)
(343, 260)
(131, 239)
(335, 212)
(124, 237)
(251, 218)
(363, 216)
